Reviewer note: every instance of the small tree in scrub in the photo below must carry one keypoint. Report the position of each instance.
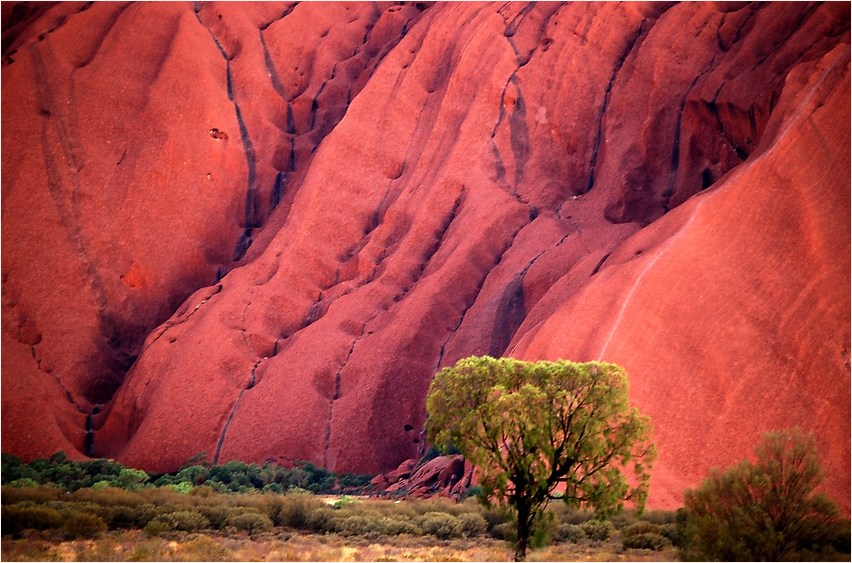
(766, 510)
(533, 427)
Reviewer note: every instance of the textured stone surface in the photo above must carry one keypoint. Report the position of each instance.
(257, 233)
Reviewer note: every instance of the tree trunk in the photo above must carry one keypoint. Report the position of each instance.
(523, 531)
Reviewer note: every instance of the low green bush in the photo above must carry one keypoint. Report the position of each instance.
(218, 515)
(569, 533)
(251, 522)
(320, 520)
(673, 533)
(83, 525)
(441, 525)
(472, 524)
(769, 509)
(577, 517)
(623, 518)
(15, 495)
(495, 515)
(507, 531)
(650, 540)
(357, 524)
(641, 527)
(158, 526)
(17, 518)
(598, 530)
(129, 517)
(184, 520)
(23, 482)
(293, 510)
(394, 526)
(108, 496)
(659, 517)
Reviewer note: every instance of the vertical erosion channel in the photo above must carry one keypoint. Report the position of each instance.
(250, 220)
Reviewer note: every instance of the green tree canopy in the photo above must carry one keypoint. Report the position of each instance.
(542, 430)
(766, 510)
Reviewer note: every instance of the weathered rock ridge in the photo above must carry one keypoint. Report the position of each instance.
(257, 230)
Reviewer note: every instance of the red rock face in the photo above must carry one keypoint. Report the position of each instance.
(257, 232)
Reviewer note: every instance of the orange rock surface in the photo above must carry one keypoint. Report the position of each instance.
(257, 231)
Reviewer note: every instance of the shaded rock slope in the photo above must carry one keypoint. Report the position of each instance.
(256, 231)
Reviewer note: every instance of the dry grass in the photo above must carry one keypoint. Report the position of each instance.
(134, 545)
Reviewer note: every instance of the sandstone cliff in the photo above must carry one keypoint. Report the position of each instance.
(258, 230)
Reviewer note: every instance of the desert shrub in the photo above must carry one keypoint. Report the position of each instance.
(507, 531)
(472, 524)
(17, 518)
(544, 529)
(251, 522)
(129, 517)
(495, 515)
(319, 479)
(67, 507)
(577, 517)
(569, 533)
(353, 480)
(473, 492)
(320, 519)
(640, 527)
(649, 540)
(218, 515)
(672, 532)
(763, 511)
(130, 479)
(659, 517)
(188, 520)
(182, 487)
(203, 548)
(343, 502)
(23, 482)
(623, 518)
(292, 509)
(598, 530)
(83, 525)
(193, 474)
(185, 520)
(441, 525)
(12, 468)
(438, 504)
(158, 526)
(108, 496)
(394, 526)
(237, 476)
(15, 495)
(357, 524)
(166, 497)
(202, 491)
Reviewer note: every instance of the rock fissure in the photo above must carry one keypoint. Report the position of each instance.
(221, 442)
(336, 395)
(250, 384)
(619, 63)
(89, 440)
(519, 139)
(251, 216)
(182, 316)
(68, 395)
(113, 19)
(272, 73)
(122, 347)
(470, 303)
(287, 11)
